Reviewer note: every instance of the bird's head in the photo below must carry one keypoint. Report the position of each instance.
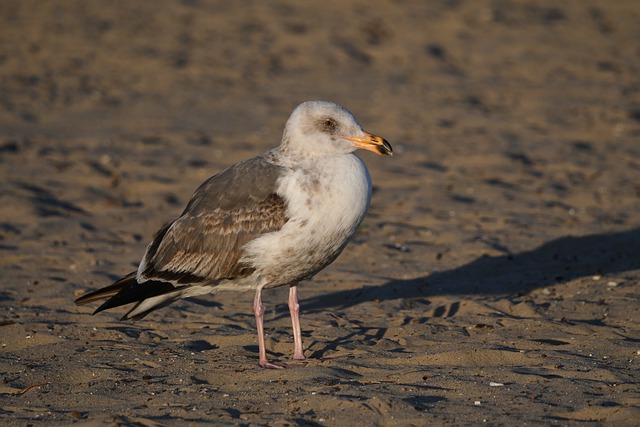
(323, 128)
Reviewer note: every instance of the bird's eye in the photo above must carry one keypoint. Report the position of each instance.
(329, 123)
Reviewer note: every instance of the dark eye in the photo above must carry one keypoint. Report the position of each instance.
(329, 123)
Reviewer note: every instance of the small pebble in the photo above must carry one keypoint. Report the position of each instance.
(77, 414)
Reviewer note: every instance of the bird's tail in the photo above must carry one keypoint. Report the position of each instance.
(148, 296)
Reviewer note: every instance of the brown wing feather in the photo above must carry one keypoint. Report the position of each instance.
(205, 244)
(208, 247)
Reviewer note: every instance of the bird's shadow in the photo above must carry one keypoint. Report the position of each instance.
(554, 262)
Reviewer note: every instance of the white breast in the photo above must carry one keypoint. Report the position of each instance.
(327, 200)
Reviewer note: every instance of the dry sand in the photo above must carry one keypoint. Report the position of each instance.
(496, 278)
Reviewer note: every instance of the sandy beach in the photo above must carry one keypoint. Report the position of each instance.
(495, 280)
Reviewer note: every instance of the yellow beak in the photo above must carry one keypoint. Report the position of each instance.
(374, 143)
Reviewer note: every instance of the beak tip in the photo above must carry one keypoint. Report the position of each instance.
(373, 143)
(385, 148)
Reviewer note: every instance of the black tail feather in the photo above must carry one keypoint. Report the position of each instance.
(136, 293)
(108, 291)
(127, 290)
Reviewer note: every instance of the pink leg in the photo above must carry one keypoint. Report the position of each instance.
(258, 309)
(294, 309)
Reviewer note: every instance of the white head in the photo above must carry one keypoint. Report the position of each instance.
(321, 128)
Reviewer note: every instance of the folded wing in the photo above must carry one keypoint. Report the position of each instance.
(205, 244)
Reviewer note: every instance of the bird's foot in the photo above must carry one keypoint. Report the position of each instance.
(268, 365)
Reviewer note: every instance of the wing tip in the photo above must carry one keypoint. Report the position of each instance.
(147, 296)
(108, 291)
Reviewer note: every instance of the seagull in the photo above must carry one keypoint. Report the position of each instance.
(269, 221)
